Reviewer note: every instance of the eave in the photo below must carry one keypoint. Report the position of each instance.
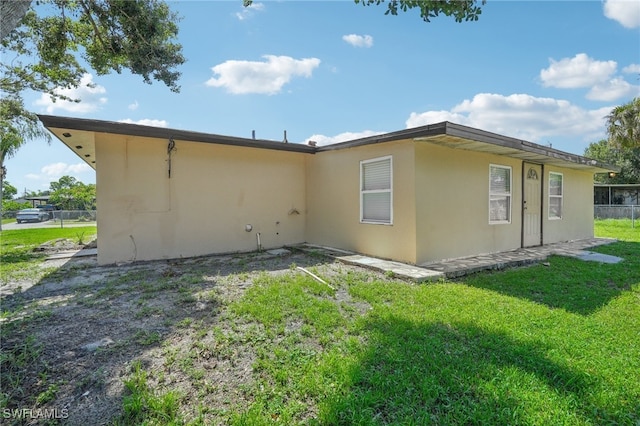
(467, 138)
(79, 135)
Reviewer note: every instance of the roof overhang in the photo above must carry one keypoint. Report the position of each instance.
(79, 135)
(467, 138)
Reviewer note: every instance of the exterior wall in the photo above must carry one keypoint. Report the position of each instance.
(452, 203)
(213, 192)
(440, 201)
(577, 215)
(333, 202)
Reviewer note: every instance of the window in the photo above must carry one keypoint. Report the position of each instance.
(499, 194)
(555, 195)
(376, 195)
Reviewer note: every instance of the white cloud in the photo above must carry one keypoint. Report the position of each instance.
(146, 122)
(54, 171)
(134, 106)
(248, 11)
(632, 69)
(91, 97)
(626, 12)
(244, 77)
(579, 71)
(520, 116)
(322, 140)
(358, 40)
(613, 89)
(57, 170)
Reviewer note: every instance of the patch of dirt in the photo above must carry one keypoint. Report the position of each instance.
(85, 325)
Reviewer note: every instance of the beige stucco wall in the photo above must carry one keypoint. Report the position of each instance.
(440, 201)
(577, 216)
(333, 202)
(452, 202)
(213, 192)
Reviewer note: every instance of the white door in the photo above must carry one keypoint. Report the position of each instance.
(531, 205)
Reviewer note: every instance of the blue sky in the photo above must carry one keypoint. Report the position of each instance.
(544, 71)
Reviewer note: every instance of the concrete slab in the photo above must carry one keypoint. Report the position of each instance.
(73, 253)
(458, 267)
(591, 256)
(400, 270)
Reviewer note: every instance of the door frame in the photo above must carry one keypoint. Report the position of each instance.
(542, 204)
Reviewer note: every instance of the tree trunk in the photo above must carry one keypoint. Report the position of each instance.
(11, 13)
(3, 171)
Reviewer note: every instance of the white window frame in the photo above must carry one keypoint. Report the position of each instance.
(389, 190)
(509, 195)
(557, 197)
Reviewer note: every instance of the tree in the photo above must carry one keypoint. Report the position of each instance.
(628, 159)
(65, 182)
(71, 194)
(10, 207)
(40, 52)
(8, 191)
(461, 10)
(11, 12)
(623, 125)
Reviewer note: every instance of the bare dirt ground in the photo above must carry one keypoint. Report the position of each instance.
(74, 335)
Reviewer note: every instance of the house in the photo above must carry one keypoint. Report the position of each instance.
(624, 194)
(415, 195)
(616, 201)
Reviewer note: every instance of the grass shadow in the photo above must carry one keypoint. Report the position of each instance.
(436, 373)
(574, 285)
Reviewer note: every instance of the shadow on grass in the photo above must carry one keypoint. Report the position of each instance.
(460, 374)
(137, 308)
(566, 283)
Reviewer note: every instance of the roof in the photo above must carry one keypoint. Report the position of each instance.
(79, 135)
(617, 185)
(468, 138)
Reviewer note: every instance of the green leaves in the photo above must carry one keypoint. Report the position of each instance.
(461, 10)
(71, 194)
(623, 125)
(42, 54)
(627, 158)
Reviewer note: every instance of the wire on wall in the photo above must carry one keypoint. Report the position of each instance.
(170, 148)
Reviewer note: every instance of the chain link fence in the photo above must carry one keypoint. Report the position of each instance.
(610, 211)
(52, 218)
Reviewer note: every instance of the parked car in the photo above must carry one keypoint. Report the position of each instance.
(32, 215)
(49, 208)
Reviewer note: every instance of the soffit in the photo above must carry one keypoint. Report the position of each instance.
(81, 142)
(526, 151)
(79, 135)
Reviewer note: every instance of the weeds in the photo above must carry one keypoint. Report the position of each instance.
(80, 238)
(144, 406)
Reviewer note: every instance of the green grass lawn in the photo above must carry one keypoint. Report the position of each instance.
(618, 228)
(541, 345)
(17, 257)
(553, 344)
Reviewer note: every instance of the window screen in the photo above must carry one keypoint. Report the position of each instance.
(555, 195)
(499, 194)
(376, 198)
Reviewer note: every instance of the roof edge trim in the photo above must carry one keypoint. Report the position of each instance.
(113, 127)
